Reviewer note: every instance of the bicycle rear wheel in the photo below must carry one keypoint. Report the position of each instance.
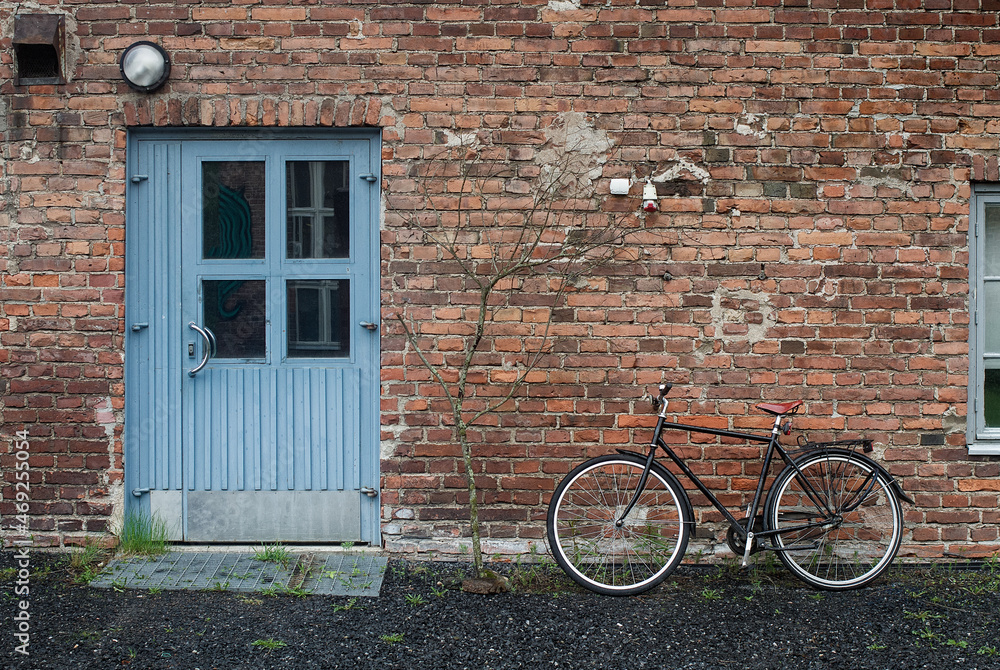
(842, 520)
(618, 558)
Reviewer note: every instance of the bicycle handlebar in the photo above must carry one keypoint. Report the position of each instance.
(664, 390)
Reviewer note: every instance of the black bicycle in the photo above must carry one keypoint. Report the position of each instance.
(619, 524)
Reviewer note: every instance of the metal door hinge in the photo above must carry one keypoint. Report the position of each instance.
(369, 491)
(368, 325)
(136, 178)
(136, 327)
(369, 177)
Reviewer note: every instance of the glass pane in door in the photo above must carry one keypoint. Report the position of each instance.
(318, 209)
(232, 206)
(236, 312)
(319, 316)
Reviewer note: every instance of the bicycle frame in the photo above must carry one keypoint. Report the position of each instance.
(772, 445)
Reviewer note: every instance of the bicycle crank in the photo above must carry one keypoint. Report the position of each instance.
(736, 541)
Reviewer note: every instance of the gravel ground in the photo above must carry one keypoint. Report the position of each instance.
(703, 617)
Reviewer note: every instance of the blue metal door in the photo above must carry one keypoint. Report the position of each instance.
(264, 318)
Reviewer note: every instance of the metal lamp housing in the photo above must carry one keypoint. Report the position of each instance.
(145, 66)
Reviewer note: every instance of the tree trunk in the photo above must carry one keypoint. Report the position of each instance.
(477, 550)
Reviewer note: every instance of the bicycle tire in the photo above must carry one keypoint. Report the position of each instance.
(618, 560)
(868, 519)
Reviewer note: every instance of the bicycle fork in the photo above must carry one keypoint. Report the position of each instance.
(620, 521)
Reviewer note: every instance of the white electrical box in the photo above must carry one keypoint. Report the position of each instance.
(620, 186)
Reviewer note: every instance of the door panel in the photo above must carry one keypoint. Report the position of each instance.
(274, 430)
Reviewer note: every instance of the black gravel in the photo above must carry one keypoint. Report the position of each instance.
(703, 617)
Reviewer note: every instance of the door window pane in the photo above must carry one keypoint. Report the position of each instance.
(318, 209)
(236, 312)
(232, 206)
(319, 318)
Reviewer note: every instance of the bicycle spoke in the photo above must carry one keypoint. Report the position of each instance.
(602, 555)
(858, 542)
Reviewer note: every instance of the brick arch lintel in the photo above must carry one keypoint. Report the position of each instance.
(255, 111)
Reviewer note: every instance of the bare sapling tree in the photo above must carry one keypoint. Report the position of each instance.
(514, 238)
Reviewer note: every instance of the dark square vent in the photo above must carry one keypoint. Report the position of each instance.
(38, 49)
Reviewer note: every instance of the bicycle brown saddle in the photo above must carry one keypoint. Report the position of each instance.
(779, 407)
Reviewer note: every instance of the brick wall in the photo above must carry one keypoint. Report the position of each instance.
(814, 161)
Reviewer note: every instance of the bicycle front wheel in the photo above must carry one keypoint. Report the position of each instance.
(840, 520)
(605, 553)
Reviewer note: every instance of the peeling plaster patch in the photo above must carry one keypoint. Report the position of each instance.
(756, 306)
(575, 146)
(104, 416)
(29, 152)
(356, 29)
(453, 139)
(116, 496)
(682, 165)
(751, 125)
(885, 178)
(564, 5)
(387, 446)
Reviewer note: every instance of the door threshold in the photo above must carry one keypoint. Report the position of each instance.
(292, 548)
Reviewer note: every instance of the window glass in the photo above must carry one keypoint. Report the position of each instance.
(991, 397)
(236, 313)
(318, 209)
(232, 209)
(319, 318)
(992, 248)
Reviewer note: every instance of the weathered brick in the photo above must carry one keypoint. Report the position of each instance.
(812, 165)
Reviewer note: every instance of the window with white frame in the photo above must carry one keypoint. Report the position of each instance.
(983, 432)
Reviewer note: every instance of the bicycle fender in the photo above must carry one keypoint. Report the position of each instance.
(670, 477)
(896, 487)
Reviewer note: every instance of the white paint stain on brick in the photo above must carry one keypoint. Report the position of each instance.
(575, 147)
(751, 125)
(681, 167)
(28, 152)
(356, 29)
(750, 302)
(564, 5)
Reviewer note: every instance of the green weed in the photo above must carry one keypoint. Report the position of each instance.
(391, 639)
(141, 535)
(270, 644)
(349, 605)
(273, 553)
(85, 565)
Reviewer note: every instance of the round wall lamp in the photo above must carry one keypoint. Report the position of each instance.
(145, 66)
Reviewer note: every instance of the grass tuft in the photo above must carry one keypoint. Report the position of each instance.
(274, 553)
(270, 644)
(142, 535)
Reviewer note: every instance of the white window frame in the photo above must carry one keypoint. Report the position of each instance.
(980, 439)
(325, 289)
(316, 214)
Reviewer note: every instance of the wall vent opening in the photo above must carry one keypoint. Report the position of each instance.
(39, 49)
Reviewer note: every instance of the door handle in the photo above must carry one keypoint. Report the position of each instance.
(369, 325)
(207, 347)
(215, 344)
